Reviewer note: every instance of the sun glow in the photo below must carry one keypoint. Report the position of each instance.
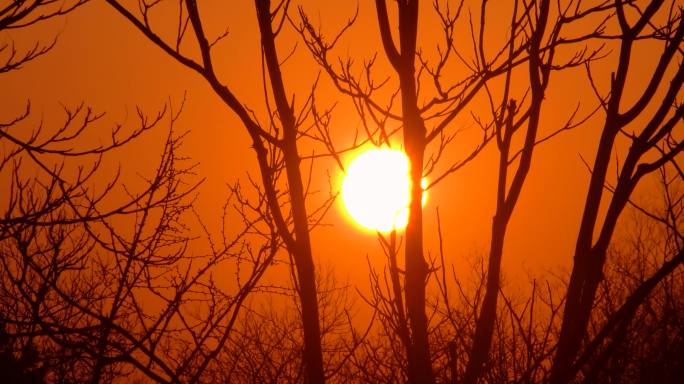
(375, 190)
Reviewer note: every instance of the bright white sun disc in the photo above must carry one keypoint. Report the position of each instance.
(375, 190)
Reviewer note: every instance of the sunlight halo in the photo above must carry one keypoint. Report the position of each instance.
(375, 190)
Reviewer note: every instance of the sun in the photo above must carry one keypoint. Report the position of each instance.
(375, 190)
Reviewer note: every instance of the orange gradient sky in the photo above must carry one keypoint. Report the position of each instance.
(102, 61)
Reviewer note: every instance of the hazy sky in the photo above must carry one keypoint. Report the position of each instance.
(102, 61)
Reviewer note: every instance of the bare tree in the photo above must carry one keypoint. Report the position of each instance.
(636, 324)
(96, 278)
(412, 117)
(653, 142)
(101, 281)
(275, 144)
(426, 120)
(545, 28)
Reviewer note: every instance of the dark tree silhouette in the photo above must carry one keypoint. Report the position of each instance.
(653, 143)
(106, 279)
(275, 146)
(532, 42)
(96, 279)
(546, 31)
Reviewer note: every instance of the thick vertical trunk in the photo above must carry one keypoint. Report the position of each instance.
(575, 314)
(580, 294)
(572, 330)
(420, 369)
(485, 322)
(418, 352)
(313, 357)
(301, 249)
(584, 282)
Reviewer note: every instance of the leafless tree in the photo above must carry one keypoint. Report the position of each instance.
(275, 142)
(636, 305)
(546, 27)
(113, 293)
(97, 281)
(104, 280)
(653, 142)
(532, 41)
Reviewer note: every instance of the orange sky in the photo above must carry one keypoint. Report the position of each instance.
(101, 60)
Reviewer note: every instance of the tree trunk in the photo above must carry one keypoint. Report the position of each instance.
(301, 249)
(579, 296)
(485, 322)
(506, 201)
(418, 353)
(420, 367)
